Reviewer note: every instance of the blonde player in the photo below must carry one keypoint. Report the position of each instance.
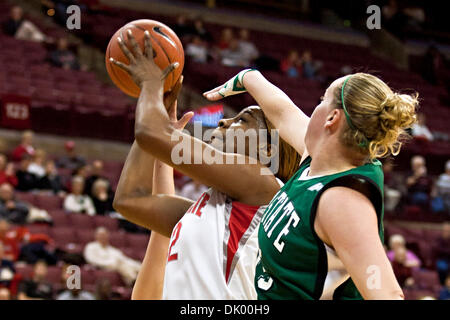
(213, 246)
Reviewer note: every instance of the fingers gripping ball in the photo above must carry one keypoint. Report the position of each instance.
(167, 49)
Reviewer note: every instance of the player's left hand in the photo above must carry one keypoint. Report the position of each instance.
(142, 67)
(170, 102)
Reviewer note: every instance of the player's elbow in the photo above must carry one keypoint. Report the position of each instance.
(121, 204)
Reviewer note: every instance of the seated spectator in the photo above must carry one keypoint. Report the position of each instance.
(442, 191)
(397, 241)
(247, 48)
(14, 210)
(5, 294)
(226, 37)
(51, 180)
(197, 50)
(26, 181)
(442, 253)
(72, 294)
(392, 194)
(193, 190)
(232, 56)
(200, 30)
(25, 146)
(419, 184)
(96, 172)
(7, 270)
(420, 129)
(402, 267)
(37, 165)
(19, 27)
(77, 200)
(181, 27)
(71, 160)
(292, 64)
(103, 290)
(444, 294)
(310, 67)
(101, 254)
(101, 197)
(36, 288)
(63, 57)
(7, 172)
(9, 242)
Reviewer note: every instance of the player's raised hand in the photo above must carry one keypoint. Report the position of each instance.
(142, 67)
(170, 102)
(233, 86)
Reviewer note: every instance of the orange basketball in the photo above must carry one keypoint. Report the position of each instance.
(167, 49)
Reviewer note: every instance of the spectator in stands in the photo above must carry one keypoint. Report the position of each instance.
(71, 160)
(442, 189)
(101, 197)
(5, 294)
(435, 66)
(442, 253)
(392, 194)
(51, 180)
(197, 50)
(419, 184)
(63, 57)
(398, 241)
(226, 38)
(7, 172)
(25, 146)
(26, 180)
(200, 30)
(10, 208)
(36, 288)
(72, 294)
(77, 200)
(232, 56)
(37, 165)
(96, 172)
(420, 129)
(181, 27)
(444, 294)
(402, 267)
(19, 27)
(101, 254)
(9, 241)
(292, 64)
(193, 190)
(7, 270)
(310, 67)
(247, 48)
(103, 290)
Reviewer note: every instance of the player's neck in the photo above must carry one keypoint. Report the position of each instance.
(330, 160)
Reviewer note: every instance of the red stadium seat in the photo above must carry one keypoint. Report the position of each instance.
(117, 239)
(60, 218)
(48, 202)
(109, 223)
(84, 236)
(82, 221)
(63, 236)
(137, 241)
(114, 277)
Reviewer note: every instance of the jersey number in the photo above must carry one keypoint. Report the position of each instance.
(195, 209)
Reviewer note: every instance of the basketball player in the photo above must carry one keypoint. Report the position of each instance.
(321, 236)
(213, 248)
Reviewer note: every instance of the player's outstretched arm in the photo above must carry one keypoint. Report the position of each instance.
(135, 198)
(351, 228)
(150, 281)
(277, 106)
(155, 134)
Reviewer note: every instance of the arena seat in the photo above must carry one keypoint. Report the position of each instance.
(107, 222)
(82, 221)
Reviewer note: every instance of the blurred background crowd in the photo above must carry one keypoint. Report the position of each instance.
(58, 171)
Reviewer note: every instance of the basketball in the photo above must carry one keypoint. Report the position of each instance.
(167, 49)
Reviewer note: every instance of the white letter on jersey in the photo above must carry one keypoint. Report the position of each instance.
(293, 219)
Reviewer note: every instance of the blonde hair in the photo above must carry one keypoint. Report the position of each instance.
(378, 115)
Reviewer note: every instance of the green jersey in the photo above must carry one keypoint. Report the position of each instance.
(293, 260)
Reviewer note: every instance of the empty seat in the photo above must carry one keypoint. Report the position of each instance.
(84, 236)
(137, 241)
(60, 218)
(82, 221)
(113, 277)
(426, 279)
(63, 236)
(103, 221)
(49, 202)
(117, 239)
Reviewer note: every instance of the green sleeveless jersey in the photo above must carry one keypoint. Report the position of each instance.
(293, 260)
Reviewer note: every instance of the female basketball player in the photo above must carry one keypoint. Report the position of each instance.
(322, 233)
(212, 254)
